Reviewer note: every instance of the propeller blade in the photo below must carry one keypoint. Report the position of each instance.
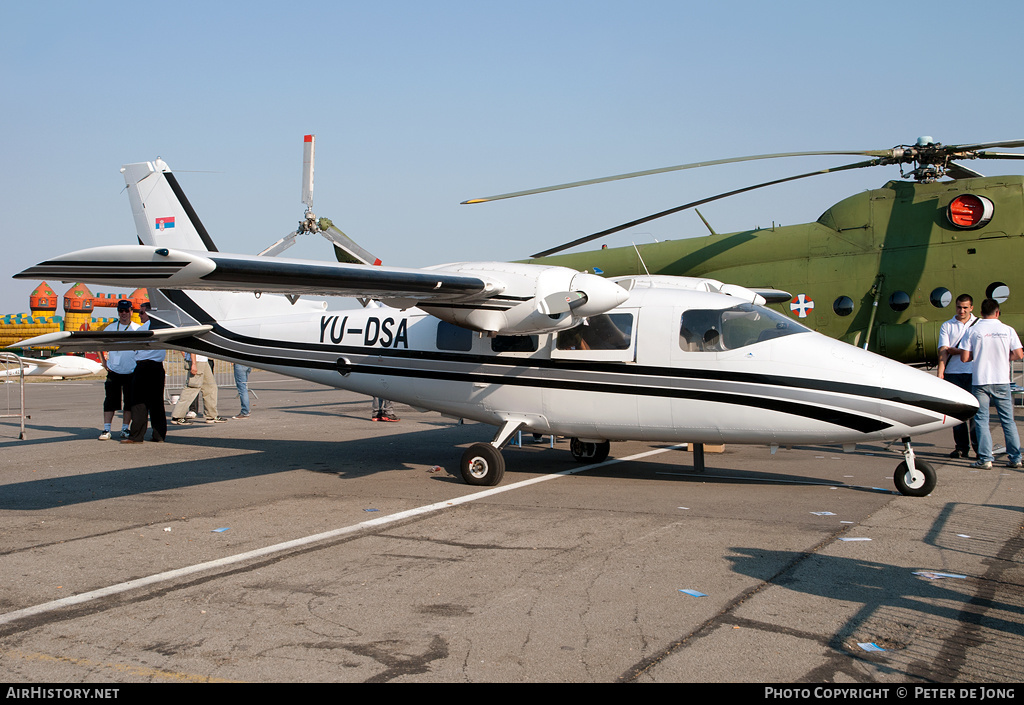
(280, 246)
(560, 302)
(588, 182)
(662, 214)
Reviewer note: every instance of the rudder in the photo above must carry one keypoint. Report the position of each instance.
(163, 215)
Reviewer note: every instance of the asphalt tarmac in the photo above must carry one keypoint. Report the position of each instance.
(308, 544)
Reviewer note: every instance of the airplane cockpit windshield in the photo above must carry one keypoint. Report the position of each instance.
(712, 330)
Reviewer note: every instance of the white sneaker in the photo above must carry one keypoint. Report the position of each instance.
(105, 436)
(190, 415)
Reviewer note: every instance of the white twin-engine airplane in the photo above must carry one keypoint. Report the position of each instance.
(65, 366)
(523, 347)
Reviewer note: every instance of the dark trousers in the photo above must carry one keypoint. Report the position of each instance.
(964, 436)
(148, 395)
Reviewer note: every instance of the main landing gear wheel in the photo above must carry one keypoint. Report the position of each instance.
(584, 452)
(482, 464)
(919, 483)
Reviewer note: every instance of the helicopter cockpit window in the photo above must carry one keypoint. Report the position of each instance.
(727, 329)
(608, 331)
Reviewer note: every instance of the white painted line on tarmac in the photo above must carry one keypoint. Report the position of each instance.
(305, 541)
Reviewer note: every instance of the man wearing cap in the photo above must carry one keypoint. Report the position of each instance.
(148, 389)
(119, 364)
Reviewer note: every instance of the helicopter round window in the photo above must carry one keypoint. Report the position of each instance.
(998, 291)
(899, 301)
(843, 306)
(941, 297)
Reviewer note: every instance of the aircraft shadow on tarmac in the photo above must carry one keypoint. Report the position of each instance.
(879, 590)
(256, 457)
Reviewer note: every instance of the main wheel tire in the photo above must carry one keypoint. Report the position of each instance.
(583, 452)
(482, 464)
(917, 484)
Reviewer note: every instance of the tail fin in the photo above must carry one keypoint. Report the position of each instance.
(163, 216)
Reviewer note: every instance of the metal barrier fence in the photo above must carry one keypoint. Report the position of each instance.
(12, 368)
(175, 371)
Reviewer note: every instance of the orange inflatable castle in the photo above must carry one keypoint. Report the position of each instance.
(79, 304)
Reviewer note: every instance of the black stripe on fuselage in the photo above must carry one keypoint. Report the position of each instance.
(854, 421)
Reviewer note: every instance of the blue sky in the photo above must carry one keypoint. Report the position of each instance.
(420, 105)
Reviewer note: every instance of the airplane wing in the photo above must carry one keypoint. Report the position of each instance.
(165, 268)
(84, 340)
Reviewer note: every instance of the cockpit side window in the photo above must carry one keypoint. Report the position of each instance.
(608, 331)
(712, 330)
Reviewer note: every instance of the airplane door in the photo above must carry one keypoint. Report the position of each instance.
(658, 330)
(593, 385)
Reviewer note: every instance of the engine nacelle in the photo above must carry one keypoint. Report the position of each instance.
(535, 299)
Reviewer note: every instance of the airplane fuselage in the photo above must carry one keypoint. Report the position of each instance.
(648, 372)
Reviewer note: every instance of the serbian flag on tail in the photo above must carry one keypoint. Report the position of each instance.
(164, 223)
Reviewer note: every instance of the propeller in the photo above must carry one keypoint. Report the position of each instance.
(931, 161)
(345, 248)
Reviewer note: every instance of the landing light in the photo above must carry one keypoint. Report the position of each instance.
(969, 211)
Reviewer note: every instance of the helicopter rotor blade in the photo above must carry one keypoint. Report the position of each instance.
(662, 214)
(984, 145)
(280, 246)
(999, 155)
(680, 167)
(345, 248)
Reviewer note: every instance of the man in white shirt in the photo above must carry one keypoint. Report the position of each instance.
(119, 364)
(991, 345)
(952, 369)
(148, 389)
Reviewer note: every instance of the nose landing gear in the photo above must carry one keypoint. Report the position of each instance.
(913, 477)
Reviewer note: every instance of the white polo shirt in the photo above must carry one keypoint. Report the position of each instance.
(991, 342)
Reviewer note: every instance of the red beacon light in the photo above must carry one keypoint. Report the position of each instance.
(969, 211)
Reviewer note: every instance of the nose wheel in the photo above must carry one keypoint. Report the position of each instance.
(914, 478)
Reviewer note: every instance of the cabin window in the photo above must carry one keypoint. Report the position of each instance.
(514, 343)
(998, 291)
(899, 301)
(941, 297)
(609, 331)
(843, 306)
(452, 337)
(727, 329)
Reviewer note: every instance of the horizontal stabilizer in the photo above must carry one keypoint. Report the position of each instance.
(83, 340)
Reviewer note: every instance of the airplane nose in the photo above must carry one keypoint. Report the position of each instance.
(925, 390)
(965, 403)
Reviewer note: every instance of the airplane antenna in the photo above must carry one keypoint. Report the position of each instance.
(641, 259)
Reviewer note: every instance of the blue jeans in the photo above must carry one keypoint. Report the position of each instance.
(997, 395)
(242, 385)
